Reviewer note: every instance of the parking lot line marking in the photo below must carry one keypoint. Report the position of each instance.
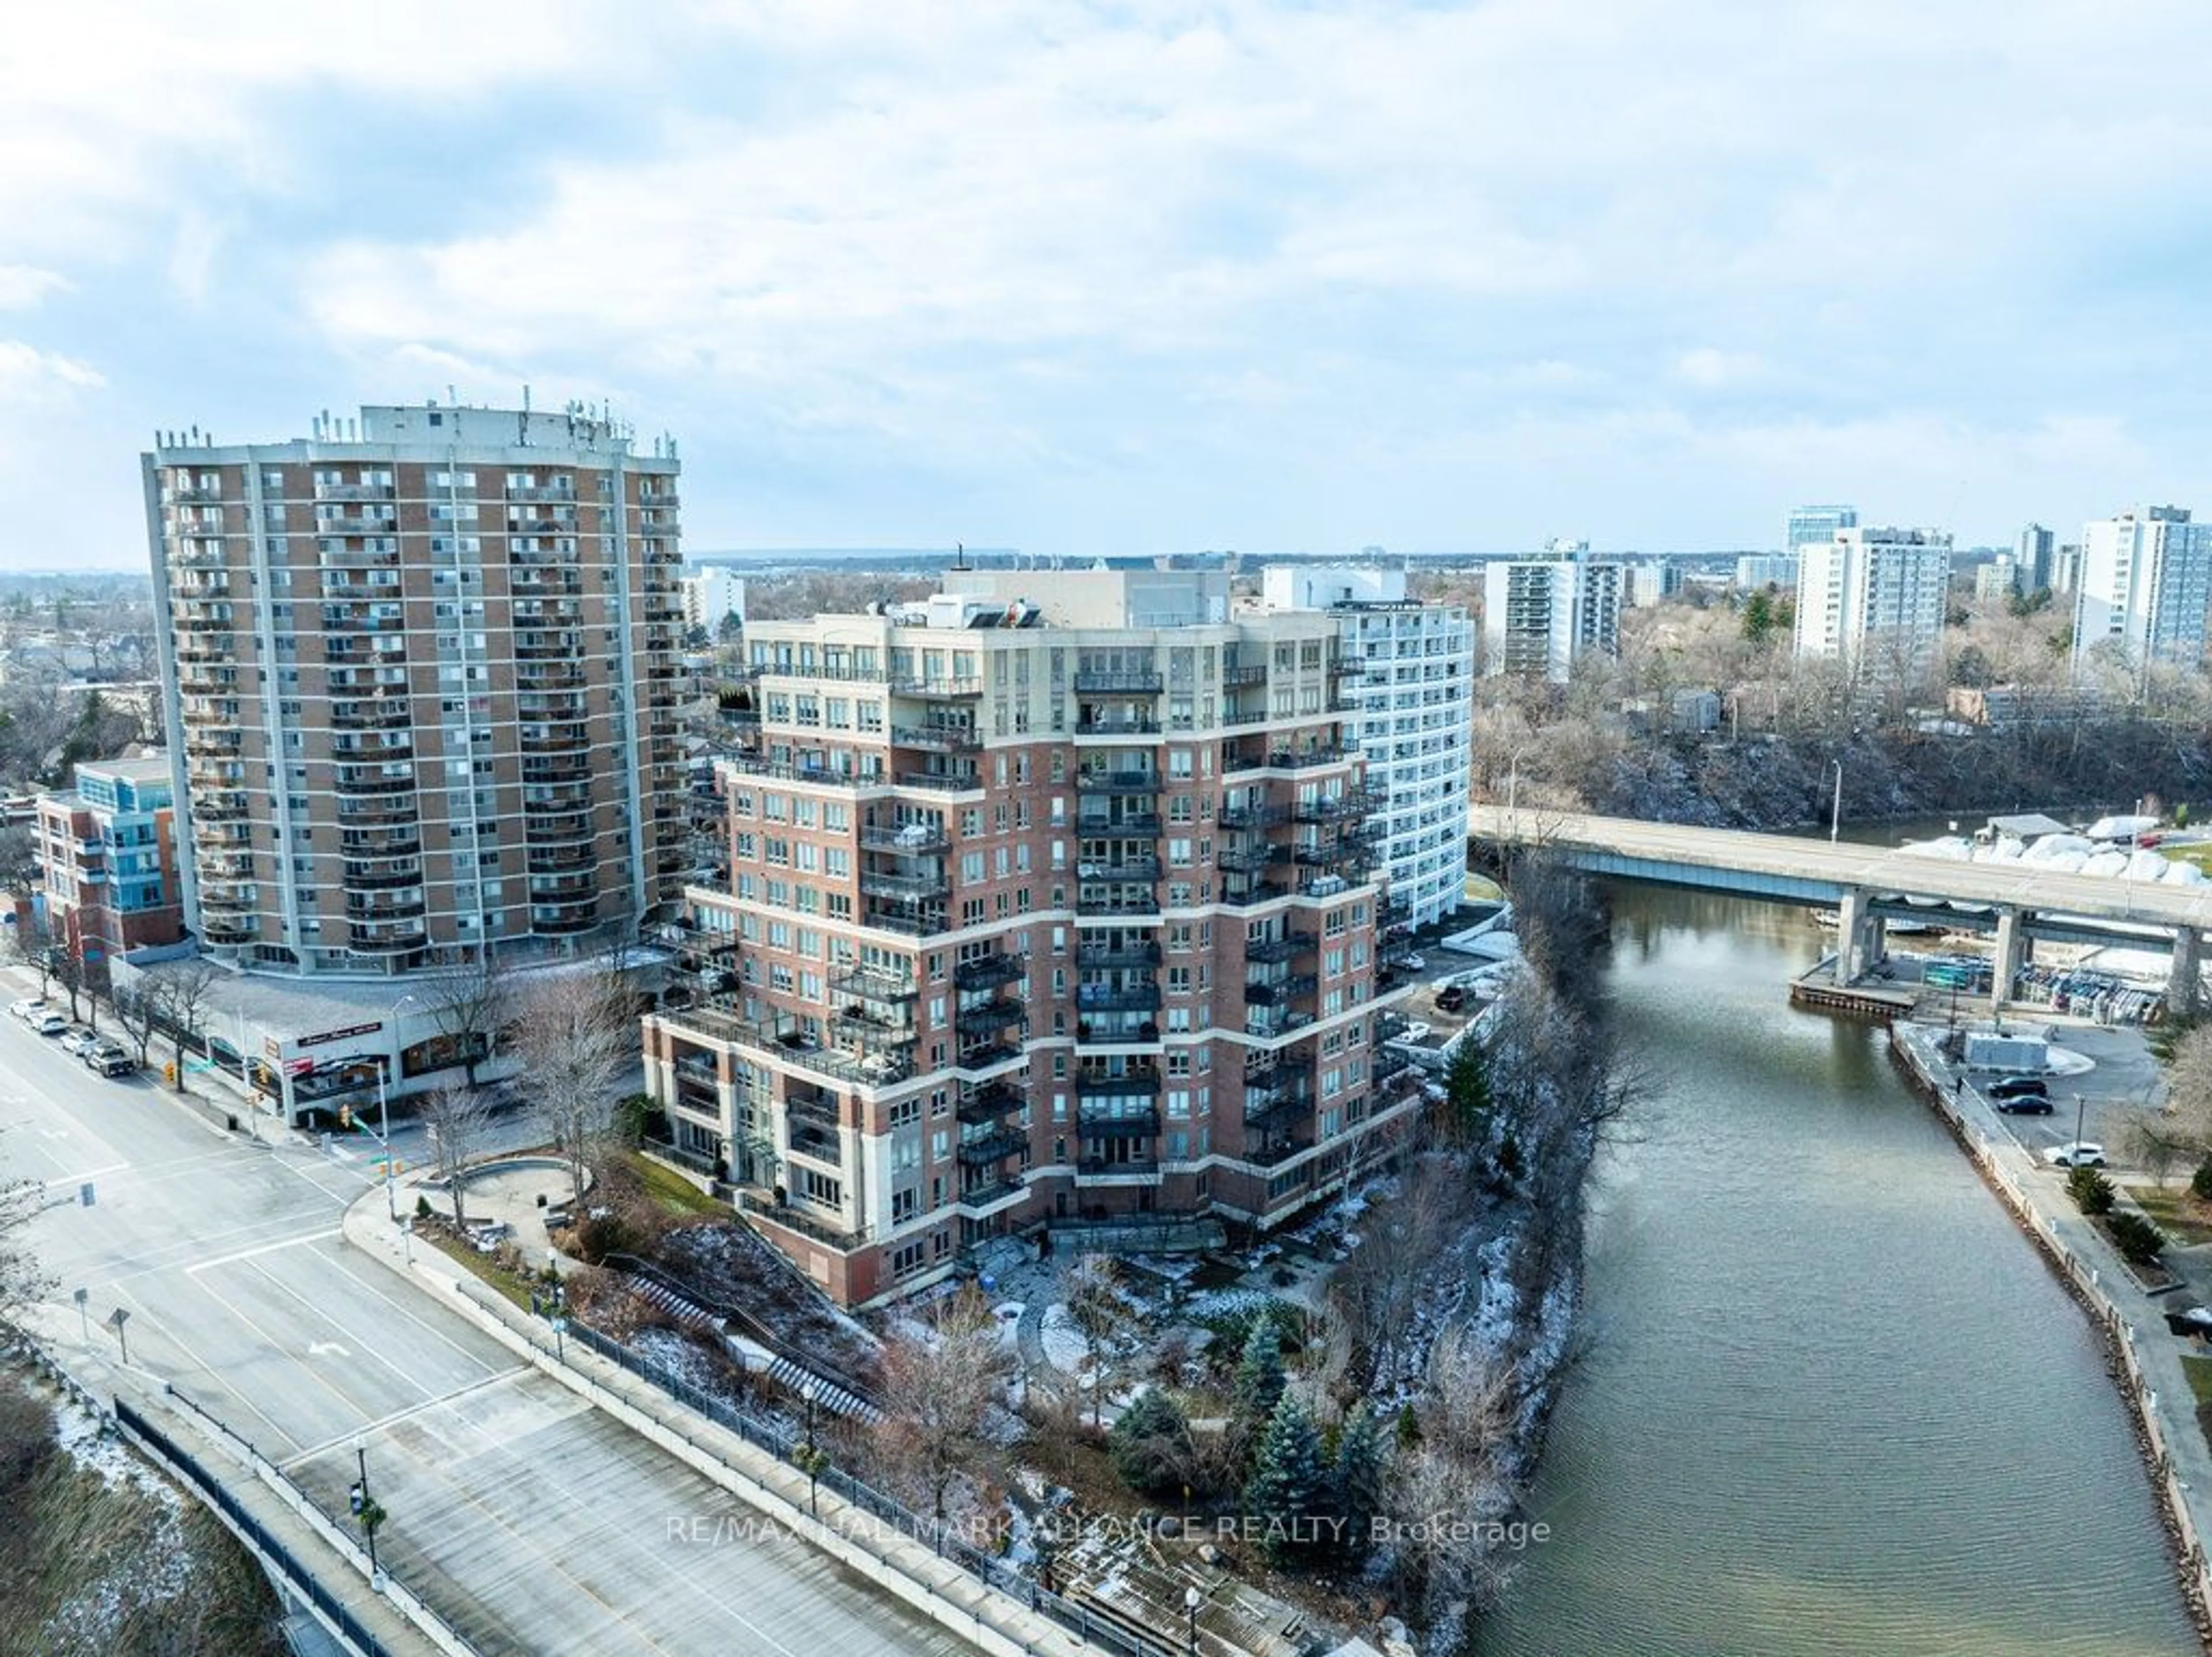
(310, 1452)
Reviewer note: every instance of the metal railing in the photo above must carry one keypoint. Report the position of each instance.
(781, 1438)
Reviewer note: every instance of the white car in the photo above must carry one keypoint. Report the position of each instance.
(27, 1008)
(76, 1039)
(49, 1023)
(1414, 1031)
(2076, 1153)
(1414, 963)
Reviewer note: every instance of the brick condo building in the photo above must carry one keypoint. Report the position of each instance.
(108, 861)
(421, 669)
(1059, 912)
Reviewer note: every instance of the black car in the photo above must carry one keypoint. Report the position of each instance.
(2016, 1087)
(1450, 999)
(2024, 1104)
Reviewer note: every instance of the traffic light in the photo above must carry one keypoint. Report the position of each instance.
(356, 1498)
(169, 1075)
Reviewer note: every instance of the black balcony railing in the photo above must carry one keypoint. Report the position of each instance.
(1118, 781)
(1136, 683)
(1268, 952)
(1106, 954)
(993, 1146)
(990, 1102)
(1126, 1124)
(1280, 992)
(983, 971)
(1117, 998)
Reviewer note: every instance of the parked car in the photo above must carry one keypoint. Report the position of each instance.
(2188, 1321)
(27, 1007)
(1450, 999)
(1415, 1030)
(1414, 963)
(2024, 1104)
(2076, 1153)
(49, 1023)
(109, 1059)
(2017, 1087)
(76, 1039)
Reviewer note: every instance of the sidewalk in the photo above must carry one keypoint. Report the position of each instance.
(892, 1560)
(2148, 1359)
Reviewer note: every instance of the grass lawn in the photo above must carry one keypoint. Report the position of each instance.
(2174, 1211)
(2199, 853)
(2199, 1371)
(672, 1190)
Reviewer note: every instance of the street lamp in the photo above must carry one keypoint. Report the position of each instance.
(366, 1511)
(812, 1456)
(384, 1063)
(1835, 811)
(2080, 1107)
(1192, 1600)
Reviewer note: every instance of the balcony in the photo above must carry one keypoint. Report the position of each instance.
(1089, 723)
(1268, 952)
(938, 690)
(567, 828)
(815, 1227)
(1118, 781)
(569, 858)
(375, 877)
(384, 911)
(1287, 759)
(864, 983)
(562, 492)
(1137, 683)
(1117, 998)
(1117, 1030)
(1247, 894)
(349, 781)
(1128, 825)
(993, 1146)
(1250, 859)
(912, 920)
(955, 782)
(984, 1055)
(1250, 817)
(1389, 1061)
(1126, 1124)
(988, 1196)
(230, 896)
(1269, 1156)
(1130, 1083)
(573, 768)
(1133, 901)
(907, 840)
(990, 1017)
(1240, 676)
(911, 888)
(941, 739)
(363, 714)
(392, 938)
(983, 971)
(1279, 992)
(805, 1140)
(989, 1103)
(218, 805)
(1147, 869)
(1132, 1167)
(1271, 1023)
(358, 523)
(353, 491)
(230, 929)
(1104, 953)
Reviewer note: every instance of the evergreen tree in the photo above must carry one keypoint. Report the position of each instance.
(1356, 1480)
(1467, 1093)
(1286, 1484)
(1261, 1377)
(1758, 615)
(1149, 1446)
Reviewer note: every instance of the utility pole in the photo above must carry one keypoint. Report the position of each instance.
(1835, 811)
(367, 1513)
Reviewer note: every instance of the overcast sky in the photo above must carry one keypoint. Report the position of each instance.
(1142, 277)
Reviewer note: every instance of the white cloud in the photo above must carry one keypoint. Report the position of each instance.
(25, 369)
(22, 287)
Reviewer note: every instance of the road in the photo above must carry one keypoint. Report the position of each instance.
(1767, 865)
(528, 1519)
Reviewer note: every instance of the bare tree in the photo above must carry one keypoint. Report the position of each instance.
(468, 1002)
(576, 1038)
(137, 1011)
(1100, 1306)
(2189, 1083)
(458, 1118)
(941, 1387)
(1459, 1473)
(184, 987)
(1395, 1270)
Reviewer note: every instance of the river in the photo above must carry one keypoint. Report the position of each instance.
(1834, 1401)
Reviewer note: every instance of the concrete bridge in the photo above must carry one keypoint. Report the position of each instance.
(1870, 885)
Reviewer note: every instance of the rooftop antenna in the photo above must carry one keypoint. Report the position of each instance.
(960, 554)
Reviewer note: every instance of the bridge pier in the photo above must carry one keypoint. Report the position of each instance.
(2012, 948)
(1861, 937)
(2181, 978)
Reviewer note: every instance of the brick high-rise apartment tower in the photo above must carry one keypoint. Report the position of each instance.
(420, 671)
(1058, 910)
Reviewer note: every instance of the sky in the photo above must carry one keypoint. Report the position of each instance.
(1137, 278)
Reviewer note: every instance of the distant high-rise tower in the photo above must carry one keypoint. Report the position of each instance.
(1874, 597)
(421, 669)
(2145, 579)
(2034, 556)
(1540, 614)
(1816, 525)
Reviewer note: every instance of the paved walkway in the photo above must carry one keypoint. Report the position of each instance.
(2151, 1360)
(901, 1566)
